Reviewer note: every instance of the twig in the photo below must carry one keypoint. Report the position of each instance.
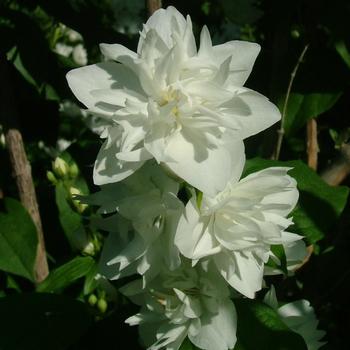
(20, 165)
(153, 5)
(312, 144)
(280, 131)
(340, 169)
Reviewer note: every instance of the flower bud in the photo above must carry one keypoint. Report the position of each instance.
(89, 249)
(102, 305)
(60, 167)
(92, 299)
(78, 205)
(73, 171)
(51, 177)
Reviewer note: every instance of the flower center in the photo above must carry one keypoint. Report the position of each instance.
(171, 96)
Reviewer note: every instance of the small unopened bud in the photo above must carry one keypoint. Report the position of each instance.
(92, 299)
(78, 205)
(51, 177)
(295, 34)
(73, 171)
(2, 140)
(89, 249)
(102, 305)
(60, 167)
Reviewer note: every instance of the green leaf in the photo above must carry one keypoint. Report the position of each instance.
(187, 345)
(343, 51)
(91, 283)
(319, 204)
(241, 11)
(15, 57)
(270, 333)
(301, 108)
(70, 220)
(66, 274)
(18, 240)
(279, 252)
(41, 321)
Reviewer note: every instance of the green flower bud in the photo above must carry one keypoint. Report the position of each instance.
(73, 171)
(51, 177)
(92, 299)
(60, 167)
(78, 205)
(295, 34)
(89, 249)
(102, 305)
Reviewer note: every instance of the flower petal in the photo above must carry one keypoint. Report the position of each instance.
(110, 77)
(251, 110)
(166, 22)
(218, 331)
(208, 169)
(248, 274)
(108, 168)
(243, 55)
(192, 237)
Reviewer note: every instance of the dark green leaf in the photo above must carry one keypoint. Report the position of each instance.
(41, 321)
(301, 108)
(316, 197)
(187, 345)
(260, 327)
(279, 252)
(70, 220)
(66, 274)
(91, 283)
(18, 240)
(241, 11)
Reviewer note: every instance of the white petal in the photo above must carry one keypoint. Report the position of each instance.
(208, 169)
(243, 55)
(165, 22)
(218, 331)
(168, 334)
(117, 52)
(108, 168)
(257, 115)
(106, 76)
(205, 46)
(192, 237)
(248, 274)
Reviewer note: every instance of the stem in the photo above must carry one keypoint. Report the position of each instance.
(280, 131)
(20, 165)
(340, 169)
(153, 6)
(312, 144)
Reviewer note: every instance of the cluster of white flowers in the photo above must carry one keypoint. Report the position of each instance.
(196, 232)
(71, 45)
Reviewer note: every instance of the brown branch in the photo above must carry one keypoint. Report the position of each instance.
(20, 165)
(153, 6)
(312, 144)
(281, 131)
(340, 169)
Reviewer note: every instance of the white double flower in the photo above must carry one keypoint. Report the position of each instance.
(186, 108)
(238, 227)
(188, 302)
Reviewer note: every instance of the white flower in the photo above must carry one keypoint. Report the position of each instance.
(63, 49)
(238, 226)
(193, 302)
(300, 317)
(79, 55)
(148, 200)
(188, 109)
